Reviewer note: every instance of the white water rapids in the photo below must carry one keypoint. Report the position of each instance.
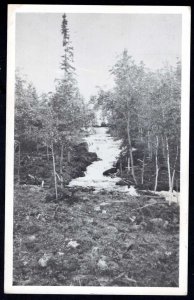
(107, 149)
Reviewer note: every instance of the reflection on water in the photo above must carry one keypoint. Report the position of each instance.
(108, 151)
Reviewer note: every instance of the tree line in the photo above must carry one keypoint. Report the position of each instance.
(144, 111)
(53, 121)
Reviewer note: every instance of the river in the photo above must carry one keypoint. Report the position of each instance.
(107, 149)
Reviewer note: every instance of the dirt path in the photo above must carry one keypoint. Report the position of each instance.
(106, 238)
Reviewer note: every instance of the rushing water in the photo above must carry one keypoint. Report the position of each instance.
(107, 149)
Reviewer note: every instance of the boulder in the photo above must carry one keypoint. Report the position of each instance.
(44, 260)
(110, 171)
(121, 183)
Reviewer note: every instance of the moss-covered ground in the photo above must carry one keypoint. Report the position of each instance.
(94, 239)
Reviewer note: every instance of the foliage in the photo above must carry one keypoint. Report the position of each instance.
(144, 107)
(55, 120)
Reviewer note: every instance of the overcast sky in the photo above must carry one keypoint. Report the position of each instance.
(97, 40)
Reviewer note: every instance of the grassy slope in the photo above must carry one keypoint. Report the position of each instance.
(119, 244)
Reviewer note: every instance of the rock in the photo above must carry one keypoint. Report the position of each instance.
(31, 238)
(60, 253)
(95, 251)
(110, 171)
(121, 183)
(168, 253)
(102, 265)
(73, 244)
(136, 227)
(112, 229)
(157, 221)
(132, 191)
(89, 220)
(85, 198)
(166, 224)
(97, 208)
(44, 260)
(132, 218)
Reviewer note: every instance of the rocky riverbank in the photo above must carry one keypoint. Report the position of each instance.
(37, 167)
(91, 238)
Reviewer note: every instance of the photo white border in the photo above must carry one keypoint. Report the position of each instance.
(185, 11)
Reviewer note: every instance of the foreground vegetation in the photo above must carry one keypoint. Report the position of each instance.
(94, 239)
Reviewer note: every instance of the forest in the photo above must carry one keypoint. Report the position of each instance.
(67, 235)
(143, 110)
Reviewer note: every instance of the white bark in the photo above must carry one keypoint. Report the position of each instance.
(130, 152)
(168, 166)
(19, 154)
(128, 164)
(157, 168)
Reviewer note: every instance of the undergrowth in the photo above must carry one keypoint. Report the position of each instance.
(101, 239)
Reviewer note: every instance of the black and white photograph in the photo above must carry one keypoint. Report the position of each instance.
(97, 150)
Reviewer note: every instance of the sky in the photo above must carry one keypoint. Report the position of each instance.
(97, 40)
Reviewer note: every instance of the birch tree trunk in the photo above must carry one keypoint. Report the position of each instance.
(157, 168)
(128, 165)
(174, 168)
(131, 153)
(168, 166)
(141, 134)
(19, 158)
(149, 146)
